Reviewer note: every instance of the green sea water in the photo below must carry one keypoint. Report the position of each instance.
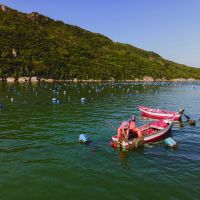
(41, 158)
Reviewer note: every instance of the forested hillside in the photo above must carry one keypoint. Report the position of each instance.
(35, 45)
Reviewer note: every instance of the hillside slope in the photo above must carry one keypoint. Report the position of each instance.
(35, 45)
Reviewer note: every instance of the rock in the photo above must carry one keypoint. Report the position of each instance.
(179, 80)
(46, 80)
(42, 79)
(3, 8)
(14, 52)
(33, 16)
(148, 79)
(10, 79)
(23, 79)
(50, 80)
(163, 79)
(191, 79)
(34, 79)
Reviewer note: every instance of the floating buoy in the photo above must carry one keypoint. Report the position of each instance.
(98, 90)
(1, 106)
(83, 100)
(84, 139)
(170, 142)
(113, 144)
(55, 100)
(11, 99)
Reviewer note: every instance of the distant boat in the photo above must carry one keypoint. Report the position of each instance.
(160, 113)
(154, 131)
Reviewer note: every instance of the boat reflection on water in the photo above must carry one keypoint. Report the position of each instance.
(124, 155)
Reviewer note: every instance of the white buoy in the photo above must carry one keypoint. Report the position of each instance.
(83, 100)
(11, 99)
(55, 100)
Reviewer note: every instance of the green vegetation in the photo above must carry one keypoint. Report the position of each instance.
(35, 45)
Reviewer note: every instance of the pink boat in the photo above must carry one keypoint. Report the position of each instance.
(154, 131)
(159, 113)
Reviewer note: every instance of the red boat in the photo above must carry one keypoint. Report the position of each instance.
(159, 113)
(154, 131)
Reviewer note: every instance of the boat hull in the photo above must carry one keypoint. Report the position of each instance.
(159, 114)
(162, 134)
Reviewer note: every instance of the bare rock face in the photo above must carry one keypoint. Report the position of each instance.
(10, 79)
(34, 16)
(3, 8)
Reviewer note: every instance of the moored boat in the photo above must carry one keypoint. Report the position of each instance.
(160, 113)
(154, 131)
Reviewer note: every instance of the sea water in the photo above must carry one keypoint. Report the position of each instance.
(41, 158)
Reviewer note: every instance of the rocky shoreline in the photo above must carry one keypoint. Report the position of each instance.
(75, 80)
